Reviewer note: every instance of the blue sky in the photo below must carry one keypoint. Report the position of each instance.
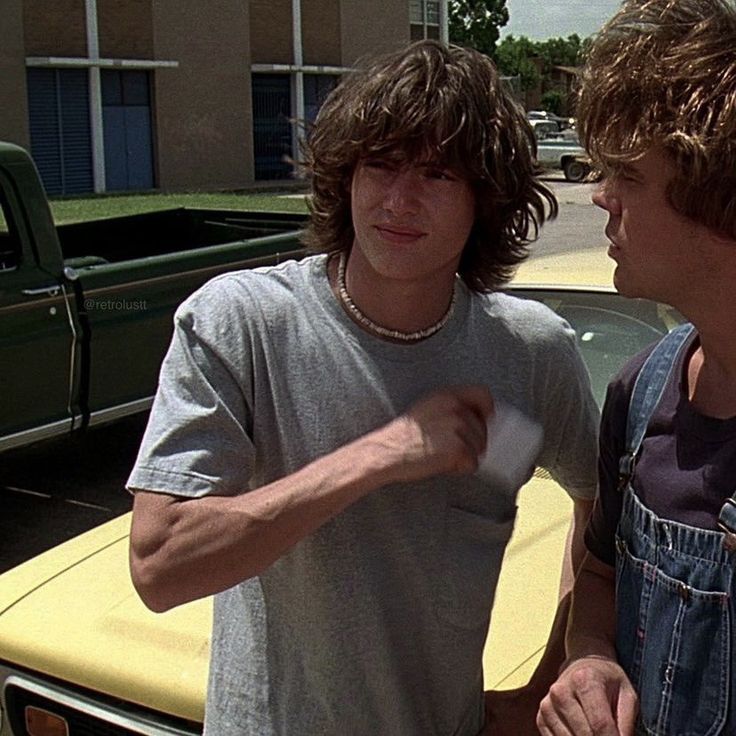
(542, 19)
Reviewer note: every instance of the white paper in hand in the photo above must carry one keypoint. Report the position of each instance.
(512, 447)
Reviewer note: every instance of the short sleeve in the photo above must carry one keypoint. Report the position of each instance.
(198, 439)
(600, 535)
(571, 417)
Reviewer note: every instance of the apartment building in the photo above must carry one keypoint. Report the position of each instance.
(118, 95)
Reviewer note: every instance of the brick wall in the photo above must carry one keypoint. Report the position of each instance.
(125, 29)
(202, 109)
(13, 99)
(365, 30)
(321, 32)
(270, 32)
(54, 28)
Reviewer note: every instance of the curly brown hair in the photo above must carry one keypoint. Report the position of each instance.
(441, 104)
(663, 73)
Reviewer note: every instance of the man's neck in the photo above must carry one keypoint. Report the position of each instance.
(396, 304)
(711, 371)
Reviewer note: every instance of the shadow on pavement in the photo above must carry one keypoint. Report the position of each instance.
(54, 490)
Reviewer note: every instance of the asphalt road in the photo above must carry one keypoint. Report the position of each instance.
(580, 224)
(54, 490)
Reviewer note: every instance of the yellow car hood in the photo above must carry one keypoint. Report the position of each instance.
(588, 267)
(72, 613)
(528, 588)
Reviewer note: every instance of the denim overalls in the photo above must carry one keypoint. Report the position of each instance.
(674, 606)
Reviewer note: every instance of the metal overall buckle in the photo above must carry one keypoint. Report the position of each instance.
(727, 524)
(625, 469)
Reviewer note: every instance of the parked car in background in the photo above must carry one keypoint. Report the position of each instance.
(558, 146)
(80, 654)
(562, 122)
(544, 128)
(563, 153)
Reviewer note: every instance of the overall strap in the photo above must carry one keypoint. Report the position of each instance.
(648, 390)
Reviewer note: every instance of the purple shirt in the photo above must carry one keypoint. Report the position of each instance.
(686, 467)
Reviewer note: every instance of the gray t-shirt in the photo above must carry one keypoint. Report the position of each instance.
(375, 623)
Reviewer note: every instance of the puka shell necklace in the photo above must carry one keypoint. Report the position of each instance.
(367, 322)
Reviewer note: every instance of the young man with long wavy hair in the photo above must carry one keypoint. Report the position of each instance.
(312, 452)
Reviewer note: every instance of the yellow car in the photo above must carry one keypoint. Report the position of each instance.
(80, 654)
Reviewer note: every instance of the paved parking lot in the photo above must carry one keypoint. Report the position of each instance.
(57, 489)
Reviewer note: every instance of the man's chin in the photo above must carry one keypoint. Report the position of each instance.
(623, 285)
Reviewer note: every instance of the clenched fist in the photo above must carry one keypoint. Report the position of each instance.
(443, 433)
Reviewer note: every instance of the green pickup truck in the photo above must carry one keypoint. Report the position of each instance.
(86, 309)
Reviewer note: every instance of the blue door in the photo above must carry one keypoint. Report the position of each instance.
(126, 117)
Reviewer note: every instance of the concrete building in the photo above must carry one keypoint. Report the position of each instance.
(116, 95)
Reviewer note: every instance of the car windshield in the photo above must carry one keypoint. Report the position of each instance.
(609, 328)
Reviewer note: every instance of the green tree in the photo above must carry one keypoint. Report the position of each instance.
(552, 101)
(560, 51)
(514, 58)
(477, 23)
(533, 61)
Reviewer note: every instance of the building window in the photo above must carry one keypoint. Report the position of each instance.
(316, 89)
(272, 126)
(272, 119)
(424, 19)
(61, 144)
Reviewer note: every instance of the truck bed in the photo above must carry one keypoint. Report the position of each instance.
(115, 239)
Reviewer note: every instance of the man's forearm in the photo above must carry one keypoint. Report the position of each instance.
(592, 688)
(183, 549)
(591, 629)
(574, 545)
